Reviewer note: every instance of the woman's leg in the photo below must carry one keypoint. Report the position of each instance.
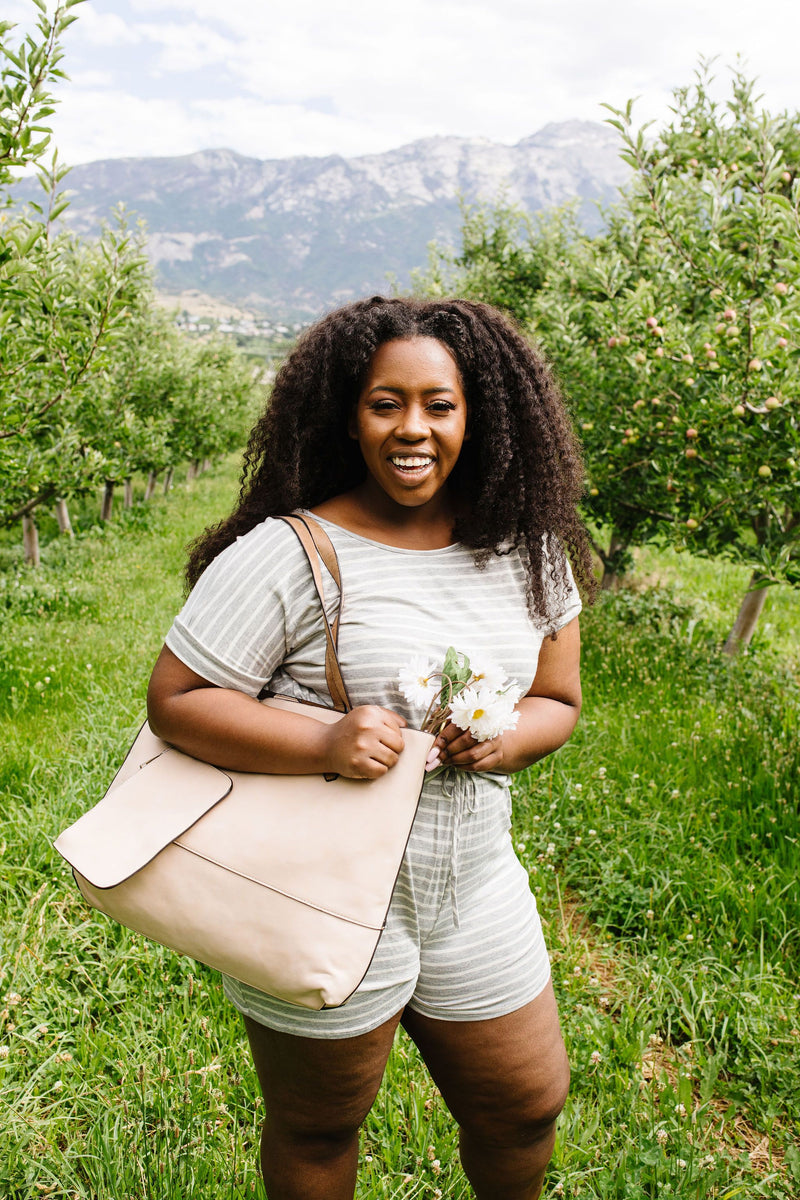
(505, 1081)
(317, 1093)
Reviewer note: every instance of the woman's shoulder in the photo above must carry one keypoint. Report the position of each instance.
(268, 554)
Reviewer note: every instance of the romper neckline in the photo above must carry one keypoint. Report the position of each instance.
(454, 547)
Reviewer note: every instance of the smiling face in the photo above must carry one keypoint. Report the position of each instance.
(410, 421)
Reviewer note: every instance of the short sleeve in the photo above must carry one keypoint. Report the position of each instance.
(565, 600)
(236, 626)
(573, 604)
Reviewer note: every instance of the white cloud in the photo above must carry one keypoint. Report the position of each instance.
(89, 122)
(85, 80)
(189, 47)
(325, 76)
(106, 28)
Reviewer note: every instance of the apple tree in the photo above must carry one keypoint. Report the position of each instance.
(715, 205)
(675, 334)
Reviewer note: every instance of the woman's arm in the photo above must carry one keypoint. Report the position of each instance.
(231, 729)
(547, 715)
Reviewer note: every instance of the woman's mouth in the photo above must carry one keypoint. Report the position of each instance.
(412, 465)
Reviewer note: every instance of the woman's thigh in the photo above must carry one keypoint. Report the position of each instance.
(499, 1075)
(319, 1086)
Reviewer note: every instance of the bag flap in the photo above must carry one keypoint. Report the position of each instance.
(136, 820)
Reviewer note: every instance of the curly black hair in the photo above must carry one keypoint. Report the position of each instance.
(519, 477)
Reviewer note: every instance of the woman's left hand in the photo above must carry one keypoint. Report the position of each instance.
(547, 716)
(455, 748)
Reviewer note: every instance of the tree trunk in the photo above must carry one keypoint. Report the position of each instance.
(108, 500)
(30, 541)
(206, 464)
(150, 486)
(168, 480)
(747, 617)
(191, 471)
(128, 502)
(62, 516)
(611, 572)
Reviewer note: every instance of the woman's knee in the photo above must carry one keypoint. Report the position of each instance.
(316, 1125)
(526, 1114)
(547, 1103)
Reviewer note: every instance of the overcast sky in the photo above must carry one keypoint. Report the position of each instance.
(163, 77)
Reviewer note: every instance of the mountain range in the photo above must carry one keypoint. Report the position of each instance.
(293, 236)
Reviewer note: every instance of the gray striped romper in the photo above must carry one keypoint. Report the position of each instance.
(463, 941)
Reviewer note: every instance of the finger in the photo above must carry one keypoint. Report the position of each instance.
(469, 762)
(392, 739)
(373, 764)
(383, 757)
(477, 752)
(449, 735)
(393, 718)
(464, 741)
(384, 747)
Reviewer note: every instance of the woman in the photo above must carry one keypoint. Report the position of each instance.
(430, 441)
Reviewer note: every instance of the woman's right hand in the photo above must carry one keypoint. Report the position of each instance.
(234, 731)
(366, 743)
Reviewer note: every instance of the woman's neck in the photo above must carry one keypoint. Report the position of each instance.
(370, 513)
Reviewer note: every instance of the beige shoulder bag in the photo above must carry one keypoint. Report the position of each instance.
(282, 881)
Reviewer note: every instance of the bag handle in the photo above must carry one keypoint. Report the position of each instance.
(318, 548)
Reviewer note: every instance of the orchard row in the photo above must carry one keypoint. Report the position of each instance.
(96, 384)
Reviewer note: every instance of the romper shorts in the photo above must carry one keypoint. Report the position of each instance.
(463, 940)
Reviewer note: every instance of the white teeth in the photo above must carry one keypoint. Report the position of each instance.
(402, 460)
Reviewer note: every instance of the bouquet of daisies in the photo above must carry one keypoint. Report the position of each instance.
(476, 696)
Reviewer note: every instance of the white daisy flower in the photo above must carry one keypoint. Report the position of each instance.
(486, 674)
(417, 682)
(486, 714)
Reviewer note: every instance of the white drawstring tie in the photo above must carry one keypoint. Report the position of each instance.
(459, 787)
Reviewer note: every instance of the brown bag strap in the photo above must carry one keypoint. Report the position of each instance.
(319, 549)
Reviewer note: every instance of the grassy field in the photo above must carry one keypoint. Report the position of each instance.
(662, 843)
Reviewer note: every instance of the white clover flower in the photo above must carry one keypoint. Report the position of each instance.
(662, 1136)
(417, 682)
(596, 1057)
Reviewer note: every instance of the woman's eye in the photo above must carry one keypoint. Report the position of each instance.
(383, 405)
(441, 406)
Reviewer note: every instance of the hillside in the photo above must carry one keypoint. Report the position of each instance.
(292, 236)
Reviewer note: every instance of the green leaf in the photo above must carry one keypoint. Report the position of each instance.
(58, 209)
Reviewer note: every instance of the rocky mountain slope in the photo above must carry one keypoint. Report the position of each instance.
(295, 235)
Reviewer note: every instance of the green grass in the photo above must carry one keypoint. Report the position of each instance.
(662, 844)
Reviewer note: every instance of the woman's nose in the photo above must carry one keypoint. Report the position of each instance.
(412, 425)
